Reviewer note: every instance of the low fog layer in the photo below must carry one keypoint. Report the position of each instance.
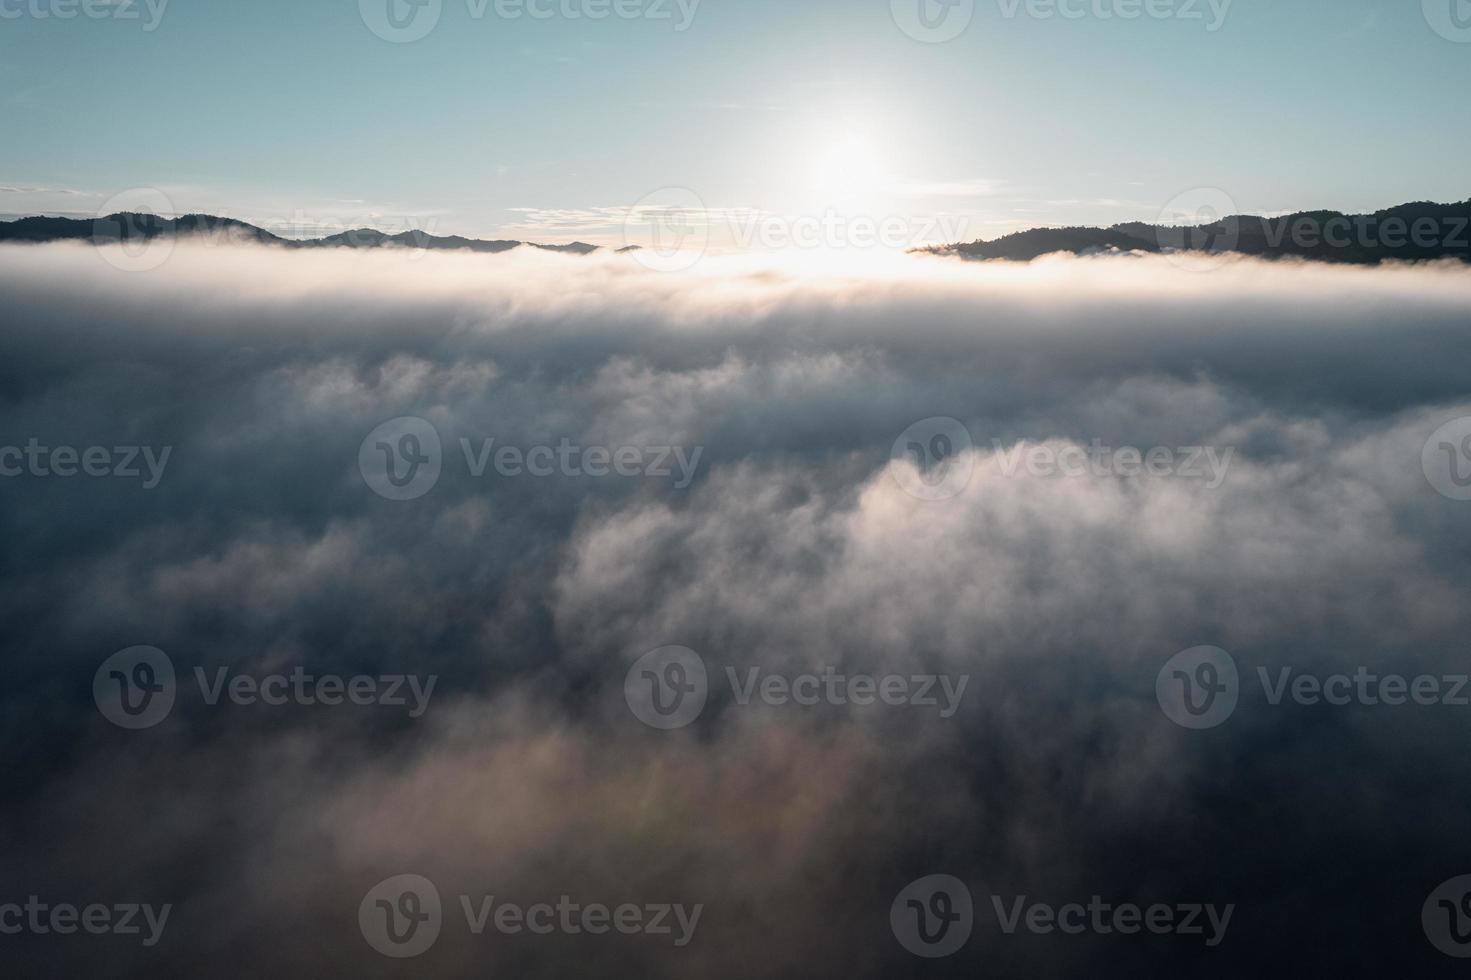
(792, 542)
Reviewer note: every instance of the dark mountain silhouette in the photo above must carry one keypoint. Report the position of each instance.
(576, 248)
(372, 238)
(1409, 232)
(132, 227)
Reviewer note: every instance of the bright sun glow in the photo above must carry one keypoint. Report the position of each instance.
(847, 165)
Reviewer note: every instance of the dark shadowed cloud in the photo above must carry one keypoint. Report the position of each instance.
(795, 544)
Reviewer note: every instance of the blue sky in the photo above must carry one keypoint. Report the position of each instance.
(297, 113)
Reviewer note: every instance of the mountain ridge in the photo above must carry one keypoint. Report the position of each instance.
(135, 226)
(1416, 231)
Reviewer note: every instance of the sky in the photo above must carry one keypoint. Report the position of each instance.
(532, 119)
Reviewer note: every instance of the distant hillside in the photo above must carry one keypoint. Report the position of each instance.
(1409, 232)
(128, 226)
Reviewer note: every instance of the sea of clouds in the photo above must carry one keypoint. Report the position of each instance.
(798, 544)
